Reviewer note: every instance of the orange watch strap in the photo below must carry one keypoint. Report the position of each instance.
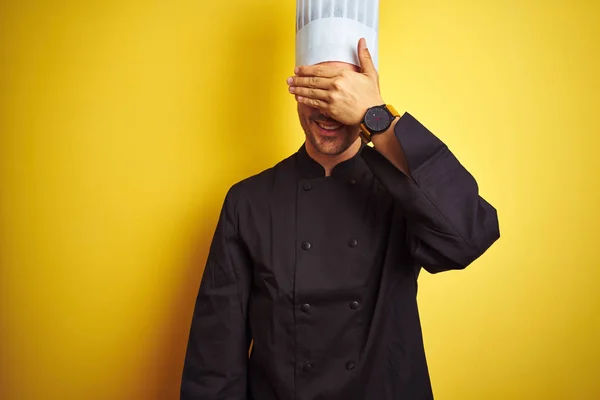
(392, 110)
(365, 133)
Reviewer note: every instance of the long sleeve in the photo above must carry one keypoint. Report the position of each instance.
(216, 360)
(449, 224)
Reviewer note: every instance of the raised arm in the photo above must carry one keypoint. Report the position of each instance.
(449, 223)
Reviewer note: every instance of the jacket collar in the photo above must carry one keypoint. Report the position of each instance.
(354, 167)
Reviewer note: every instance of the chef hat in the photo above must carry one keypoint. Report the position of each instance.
(329, 30)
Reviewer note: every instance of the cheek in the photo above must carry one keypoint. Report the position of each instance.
(352, 131)
(304, 112)
(303, 118)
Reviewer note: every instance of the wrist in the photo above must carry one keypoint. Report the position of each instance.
(378, 120)
(385, 136)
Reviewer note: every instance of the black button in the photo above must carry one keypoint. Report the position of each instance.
(353, 243)
(354, 305)
(306, 367)
(305, 307)
(352, 182)
(350, 365)
(307, 186)
(306, 245)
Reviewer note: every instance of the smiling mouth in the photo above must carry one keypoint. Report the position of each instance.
(329, 126)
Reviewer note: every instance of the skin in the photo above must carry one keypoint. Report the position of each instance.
(341, 93)
(333, 143)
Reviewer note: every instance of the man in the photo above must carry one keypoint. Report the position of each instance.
(315, 260)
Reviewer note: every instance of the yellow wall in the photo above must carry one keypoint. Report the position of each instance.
(123, 123)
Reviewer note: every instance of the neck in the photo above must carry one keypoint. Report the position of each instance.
(328, 162)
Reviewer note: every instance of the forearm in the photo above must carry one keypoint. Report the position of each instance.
(388, 145)
(215, 365)
(450, 224)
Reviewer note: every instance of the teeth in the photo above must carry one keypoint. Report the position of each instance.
(329, 127)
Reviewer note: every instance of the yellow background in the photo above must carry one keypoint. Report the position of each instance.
(123, 123)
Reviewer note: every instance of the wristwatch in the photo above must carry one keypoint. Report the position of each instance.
(378, 119)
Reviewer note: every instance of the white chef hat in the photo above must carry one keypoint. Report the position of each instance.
(329, 30)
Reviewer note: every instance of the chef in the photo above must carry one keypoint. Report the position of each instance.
(310, 286)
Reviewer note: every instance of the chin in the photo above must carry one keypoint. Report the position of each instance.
(330, 146)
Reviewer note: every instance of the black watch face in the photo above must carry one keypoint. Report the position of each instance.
(378, 119)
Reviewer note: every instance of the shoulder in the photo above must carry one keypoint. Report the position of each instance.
(263, 183)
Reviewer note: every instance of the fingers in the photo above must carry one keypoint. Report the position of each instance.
(321, 71)
(318, 94)
(315, 103)
(311, 82)
(364, 56)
